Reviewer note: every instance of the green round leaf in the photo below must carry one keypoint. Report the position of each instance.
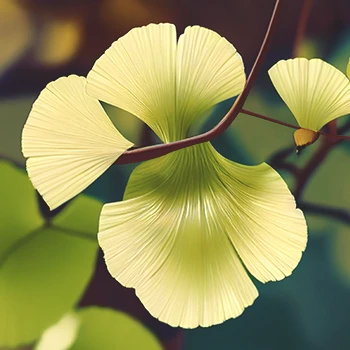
(19, 212)
(107, 329)
(80, 215)
(44, 268)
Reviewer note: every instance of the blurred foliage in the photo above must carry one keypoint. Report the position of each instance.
(16, 33)
(49, 49)
(115, 330)
(340, 252)
(45, 266)
(13, 114)
(97, 328)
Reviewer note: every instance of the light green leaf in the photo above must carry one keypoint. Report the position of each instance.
(315, 91)
(43, 269)
(69, 141)
(187, 223)
(166, 84)
(19, 212)
(40, 281)
(110, 330)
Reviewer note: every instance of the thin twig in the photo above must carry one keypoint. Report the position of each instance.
(146, 153)
(333, 135)
(335, 213)
(302, 176)
(277, 161)
(281, 155)
(304, 15)
(260, 116)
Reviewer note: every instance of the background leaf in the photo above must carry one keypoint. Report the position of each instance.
(44, 268)
(107, 329)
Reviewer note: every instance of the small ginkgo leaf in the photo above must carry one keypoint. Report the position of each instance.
(348, 69)
(61, 335)
(187, 222)
(108, 329)
(164, 84)
(69, 141)
(315, 91)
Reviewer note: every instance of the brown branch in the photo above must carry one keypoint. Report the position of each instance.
(326, 146)
(335, 213)
(146, 153)
(302, 176)
(304, 15)
(277, 161)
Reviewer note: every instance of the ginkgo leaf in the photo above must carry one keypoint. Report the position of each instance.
(348, 69)
(187, 222)
(137, 74)
(165, 85)
(69, 141)
(208, 70)
(44, 267)
(315, 91)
